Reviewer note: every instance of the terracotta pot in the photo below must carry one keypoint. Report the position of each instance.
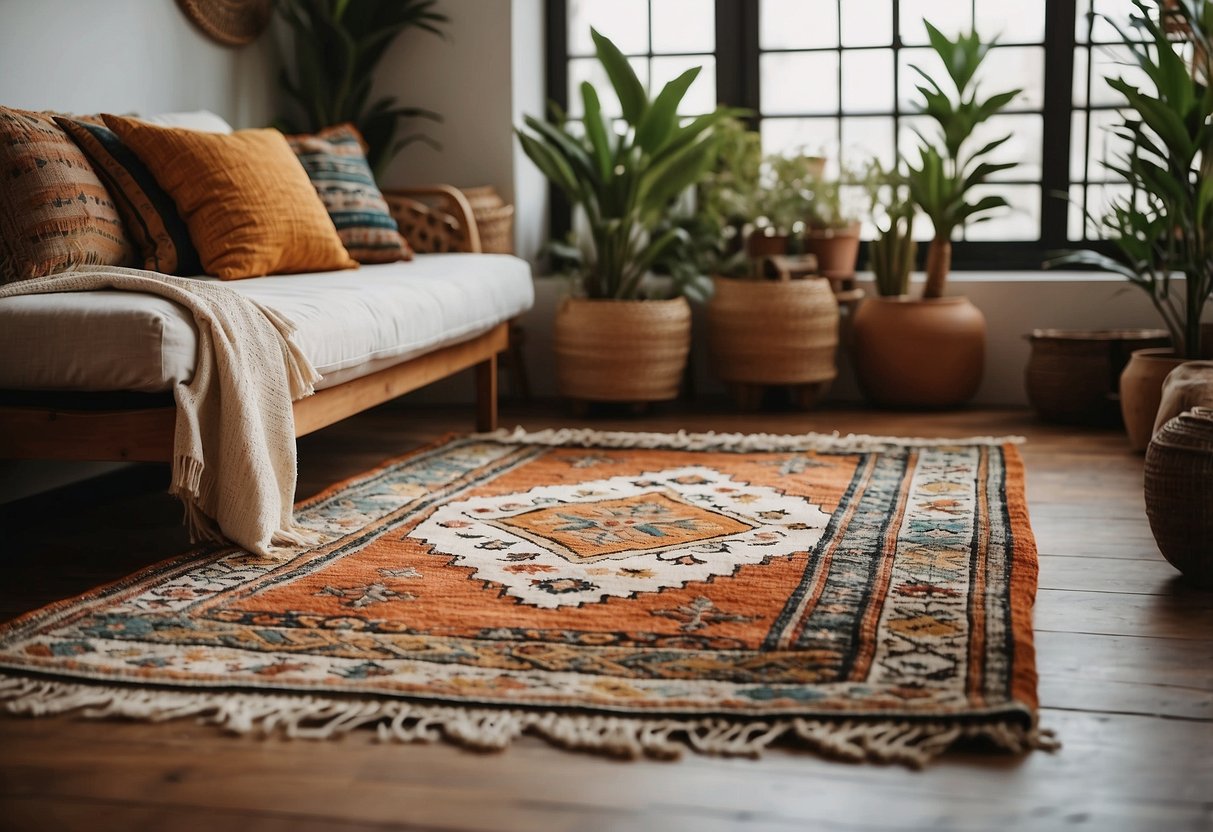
(836, 249)
(1141, 392)
(1073, 376)
(1179, 493)
(774, 332)
(759, 246)
(622, 350)
(919, 353)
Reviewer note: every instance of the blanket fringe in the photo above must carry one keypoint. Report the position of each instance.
(299, 716)
(738, 442)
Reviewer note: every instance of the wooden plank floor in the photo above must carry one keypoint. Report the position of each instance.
(1125, 660)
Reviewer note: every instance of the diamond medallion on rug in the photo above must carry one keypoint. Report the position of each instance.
(632, 593)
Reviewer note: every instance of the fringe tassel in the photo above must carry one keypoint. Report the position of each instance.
(736, 442)
(298, 716)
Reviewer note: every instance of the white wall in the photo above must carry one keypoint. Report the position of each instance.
(481, 78)
(119, 56)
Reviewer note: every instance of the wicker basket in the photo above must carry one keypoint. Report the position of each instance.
(1073, 376)
(773, 332)
(1179, 493)
(622, 350)
(494, 219)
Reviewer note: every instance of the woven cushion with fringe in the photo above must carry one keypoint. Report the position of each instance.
(868, 598)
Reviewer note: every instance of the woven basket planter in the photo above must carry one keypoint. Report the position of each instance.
(1073, 376)
(1179, 493)
(622, 350)
(773, 332)
(494, 219)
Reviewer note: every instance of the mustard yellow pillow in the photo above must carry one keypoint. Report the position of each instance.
(249, 205)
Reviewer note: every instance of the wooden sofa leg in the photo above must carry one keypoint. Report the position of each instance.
(486, 395)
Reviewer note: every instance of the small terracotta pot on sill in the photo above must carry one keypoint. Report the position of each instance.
(836, 249)
(919, 353)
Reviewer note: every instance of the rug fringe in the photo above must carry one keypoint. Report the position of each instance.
(738, 442)
(312, 717)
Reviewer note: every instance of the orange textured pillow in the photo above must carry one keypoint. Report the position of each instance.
(249, 205)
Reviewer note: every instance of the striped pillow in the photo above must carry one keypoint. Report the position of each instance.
(54, 211)
(151, 217)
(335, 161)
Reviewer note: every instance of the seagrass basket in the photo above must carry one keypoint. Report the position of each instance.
(773, 332)
(1179, 493)
(621, 350)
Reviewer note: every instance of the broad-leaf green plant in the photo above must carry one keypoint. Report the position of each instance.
(337, 46)
(891, 254)
(624, 176)
(1163, 228)
(949, 168)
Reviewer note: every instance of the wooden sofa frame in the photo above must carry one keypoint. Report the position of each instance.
(434, 219)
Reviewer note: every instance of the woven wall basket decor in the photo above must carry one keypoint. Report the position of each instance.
(230, 22)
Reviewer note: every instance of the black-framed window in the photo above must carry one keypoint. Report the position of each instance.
(835, 75)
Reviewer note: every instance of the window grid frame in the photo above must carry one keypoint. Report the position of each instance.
(737, 53)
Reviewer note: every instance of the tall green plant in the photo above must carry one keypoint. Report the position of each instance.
(1164, 227)
(337, 46)
(624, 179)
(948, 167)
(892, 253)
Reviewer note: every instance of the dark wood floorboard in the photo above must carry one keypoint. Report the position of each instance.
(1125, 654)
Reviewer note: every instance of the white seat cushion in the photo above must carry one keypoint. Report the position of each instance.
(350, 323)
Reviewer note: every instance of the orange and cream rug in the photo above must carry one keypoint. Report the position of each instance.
(866, 597)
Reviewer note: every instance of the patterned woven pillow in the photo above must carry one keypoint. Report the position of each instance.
(335, 161)
(54, 211)
(151, 217)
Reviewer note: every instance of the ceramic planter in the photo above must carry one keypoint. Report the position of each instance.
(836, 250)
(919, 353)
(622, 350)
(1141, 392)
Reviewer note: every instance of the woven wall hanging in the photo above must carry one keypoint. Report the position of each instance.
(230, 22)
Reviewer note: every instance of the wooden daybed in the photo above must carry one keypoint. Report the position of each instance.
(436, 219)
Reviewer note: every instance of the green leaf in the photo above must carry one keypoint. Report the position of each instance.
(627, 86)
(596, 129)
(659, 120)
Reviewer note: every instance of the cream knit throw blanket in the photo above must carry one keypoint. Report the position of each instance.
(234, 446)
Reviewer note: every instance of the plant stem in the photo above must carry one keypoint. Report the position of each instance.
(939, 263)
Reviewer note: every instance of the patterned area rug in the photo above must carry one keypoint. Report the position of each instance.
(632, 593)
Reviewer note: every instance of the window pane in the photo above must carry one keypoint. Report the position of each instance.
(1011, 22)
(701, 97)
(1081, 56)
(684, 26)
(867, 23)
(588, 69)
(949, 16)
(1075, 223)
(1078, 139)
(798, 24)
(789, 136)
(1011, 67)
(908, 79)
(1104, 146)
(626, 22)
(1019, 222)
(865, 137)
(799, 82)
(1101, 28)
(1023, 148)
(1114, 62)
(867, 81)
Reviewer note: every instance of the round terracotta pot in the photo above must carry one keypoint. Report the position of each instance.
(912, 352)
(836, 250)
(1179, 493)
(1073, 376)
(768, 332)
(759, 246)
(622, 350)
(1141, 392)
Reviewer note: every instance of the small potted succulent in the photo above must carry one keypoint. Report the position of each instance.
(626, 338)
(930, 352)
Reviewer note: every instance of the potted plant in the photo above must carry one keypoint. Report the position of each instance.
(930, 351)
(626, 339)
(831, 232)
(337, 46)
(1164, 227)
(782, 204)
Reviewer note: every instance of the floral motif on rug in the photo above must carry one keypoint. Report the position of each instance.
(634, 593)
